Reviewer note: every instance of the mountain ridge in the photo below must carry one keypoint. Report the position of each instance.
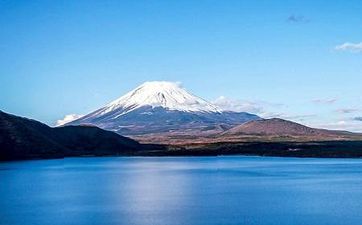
(273, 126)
(260, 130)
(23, 138)
(277, 126)
(162, 107)
(159, 94)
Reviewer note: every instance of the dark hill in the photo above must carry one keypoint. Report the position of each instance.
(22, 138)
(278, 127)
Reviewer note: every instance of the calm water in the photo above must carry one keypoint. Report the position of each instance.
(187, 191)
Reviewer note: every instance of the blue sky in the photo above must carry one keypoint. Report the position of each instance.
(300, 60)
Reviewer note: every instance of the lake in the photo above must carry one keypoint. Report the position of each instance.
(181, 191)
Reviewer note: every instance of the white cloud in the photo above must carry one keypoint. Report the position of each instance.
(346, 110)
(301, 117)
(260, 108)
(350, 47)
(228, 104)
(325, 100)
(67, 119)
(348, 125)
(269, 110)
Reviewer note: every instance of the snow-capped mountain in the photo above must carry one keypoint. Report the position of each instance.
(163, 94)
(160, 106)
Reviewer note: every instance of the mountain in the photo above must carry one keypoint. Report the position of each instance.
(279, 127)
(22, 138)
(162, 107)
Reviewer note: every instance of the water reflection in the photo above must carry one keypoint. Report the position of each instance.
(176, 191)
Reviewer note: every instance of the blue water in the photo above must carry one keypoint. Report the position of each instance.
(182, 191)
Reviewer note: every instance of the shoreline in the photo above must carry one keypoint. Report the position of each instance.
(325, 149)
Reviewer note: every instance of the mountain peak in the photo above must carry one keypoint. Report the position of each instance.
(160, 84)
(169, 95)
(160, 107)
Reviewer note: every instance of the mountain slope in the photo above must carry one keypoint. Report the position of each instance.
(162, 107)
(25, 138)
(158, 94)
(22, 138)
(278, 127)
